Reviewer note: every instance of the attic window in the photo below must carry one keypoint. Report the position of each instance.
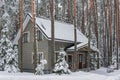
(25, 37)
(43, 27)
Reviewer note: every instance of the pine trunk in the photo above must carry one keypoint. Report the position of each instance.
(82, 27)
(69, 11)
(52, 33)
(21, 30)
(96, 29)
(104, 35)
(34, 28)
(56, 9)
(63, 10)
(75, 35)
(37, 8)
(116, 3)
(110, 28)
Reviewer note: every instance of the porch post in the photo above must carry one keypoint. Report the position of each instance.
(98, 60)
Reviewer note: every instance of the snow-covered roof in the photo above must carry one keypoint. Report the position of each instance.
(63, 31)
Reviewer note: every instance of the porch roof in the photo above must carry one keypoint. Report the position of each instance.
(83, 46)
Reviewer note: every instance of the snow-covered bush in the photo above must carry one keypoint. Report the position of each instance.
(110, 69)
(40, 67)
(12, 60)
(61, 67)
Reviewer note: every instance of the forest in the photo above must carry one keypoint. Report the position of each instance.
(97, 19)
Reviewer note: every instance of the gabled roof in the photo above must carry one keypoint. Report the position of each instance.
(63, 31)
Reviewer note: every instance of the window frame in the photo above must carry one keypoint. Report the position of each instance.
(40, 56)
(26, 39)
(39, 35)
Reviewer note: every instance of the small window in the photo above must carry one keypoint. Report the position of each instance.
(25, 37)
(56, 57)
(39, 35)
(40, 56)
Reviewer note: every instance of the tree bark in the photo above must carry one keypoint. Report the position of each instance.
(110, 31)
(56, 9)
(69, 11)
(34, 29)
(36, 7)
(52, 33)
(96, 29)
(116, 3)
(104, 34)
(63, 10)
(21, 29)
(75, 35)
(82, 27)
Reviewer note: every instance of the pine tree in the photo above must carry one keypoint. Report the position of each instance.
(8, 57)
(11, 59)
(3, 47)
(61, 67)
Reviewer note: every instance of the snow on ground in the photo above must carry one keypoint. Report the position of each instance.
(92, 75)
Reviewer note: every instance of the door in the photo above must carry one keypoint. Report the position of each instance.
(80, 58)
(70, 61)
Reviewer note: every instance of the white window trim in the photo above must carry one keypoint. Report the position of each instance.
(32, 58)
(28, 38)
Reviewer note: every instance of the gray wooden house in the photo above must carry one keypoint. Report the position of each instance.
(64, 38)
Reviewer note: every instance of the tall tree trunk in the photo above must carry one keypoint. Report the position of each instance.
(75, 35)
(87, 17)
(89, 33)
(87, 10)
(36, 7)
(63, 10)
(21, 29)
(52, 33)
(116, 3)
(34, 28)
(104, 33)
(96, 28)
(68, 11)
(56, 9)
(110, 28)
(82, 27)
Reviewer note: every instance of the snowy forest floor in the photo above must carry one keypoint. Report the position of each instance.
(99, 74)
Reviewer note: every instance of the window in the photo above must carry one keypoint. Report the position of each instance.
(56, 56)
(26, 37)
(39, 35)
(69, 58)
(40, 56)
